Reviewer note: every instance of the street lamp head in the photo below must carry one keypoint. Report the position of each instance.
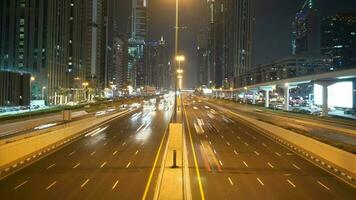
(33, 78)
(85, 84)
(180, 58)
(44, 87)
(180, 76)
(180, 71)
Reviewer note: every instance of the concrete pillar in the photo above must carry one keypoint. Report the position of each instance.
(286, 98)
(267, 98)
(354, 94)
(325, 110)
(254, 96)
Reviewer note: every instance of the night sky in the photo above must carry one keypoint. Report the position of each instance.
(272, 26)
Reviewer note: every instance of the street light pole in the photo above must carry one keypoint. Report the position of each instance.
(176, 54)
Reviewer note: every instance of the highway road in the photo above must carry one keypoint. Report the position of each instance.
(236, 162)
(340, 132)
(112, 162)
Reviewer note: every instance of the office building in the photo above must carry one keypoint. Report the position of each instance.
(23, 40)
(137, 43)
(306, 30)
(338, 39)
(229, 47)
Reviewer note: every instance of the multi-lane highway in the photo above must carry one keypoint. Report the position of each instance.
(236, 162)
(112, 162)
(228, 159)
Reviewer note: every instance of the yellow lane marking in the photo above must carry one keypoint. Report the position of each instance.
(154, 165)
(194, 157)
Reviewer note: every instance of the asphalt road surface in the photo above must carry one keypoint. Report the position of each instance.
(113, 162)
(236, 162)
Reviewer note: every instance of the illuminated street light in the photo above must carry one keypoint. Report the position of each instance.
(33, 78)
(180, 76)
(180, 58)
(180, 71)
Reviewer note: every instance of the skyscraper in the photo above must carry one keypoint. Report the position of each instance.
(306, 30)
(95, 34)
(157, 68)
(137, 43)
(238, 40)
(202, 68)
(23, 40)
(216, 33)
(229, 41)
(338, 39)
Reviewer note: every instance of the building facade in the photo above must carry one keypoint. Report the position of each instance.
(229, 46)
(306, 30)
(157, 71)
(202, 55)
(287, 67)
(23, 41)
(338, 39)
(136, 45)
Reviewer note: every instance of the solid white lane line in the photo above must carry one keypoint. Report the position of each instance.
(220, 163)
(114, 153)
(102, 165)
(136, 152)
(294, 165)
(256, 153)
(263, 144)
(323, 185)
(290, 182)
(246, 144)
(75, 166)
(124, 143)
(235, 152)
(278, 154)
(128, 165)
(259, 180)
(270, 165)
(85, 182)
(245, 163)
(92, 153)
(232, 183)
(18, 186)
(115, 184)
(71, 153)
(51, 165)
(52, 184)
